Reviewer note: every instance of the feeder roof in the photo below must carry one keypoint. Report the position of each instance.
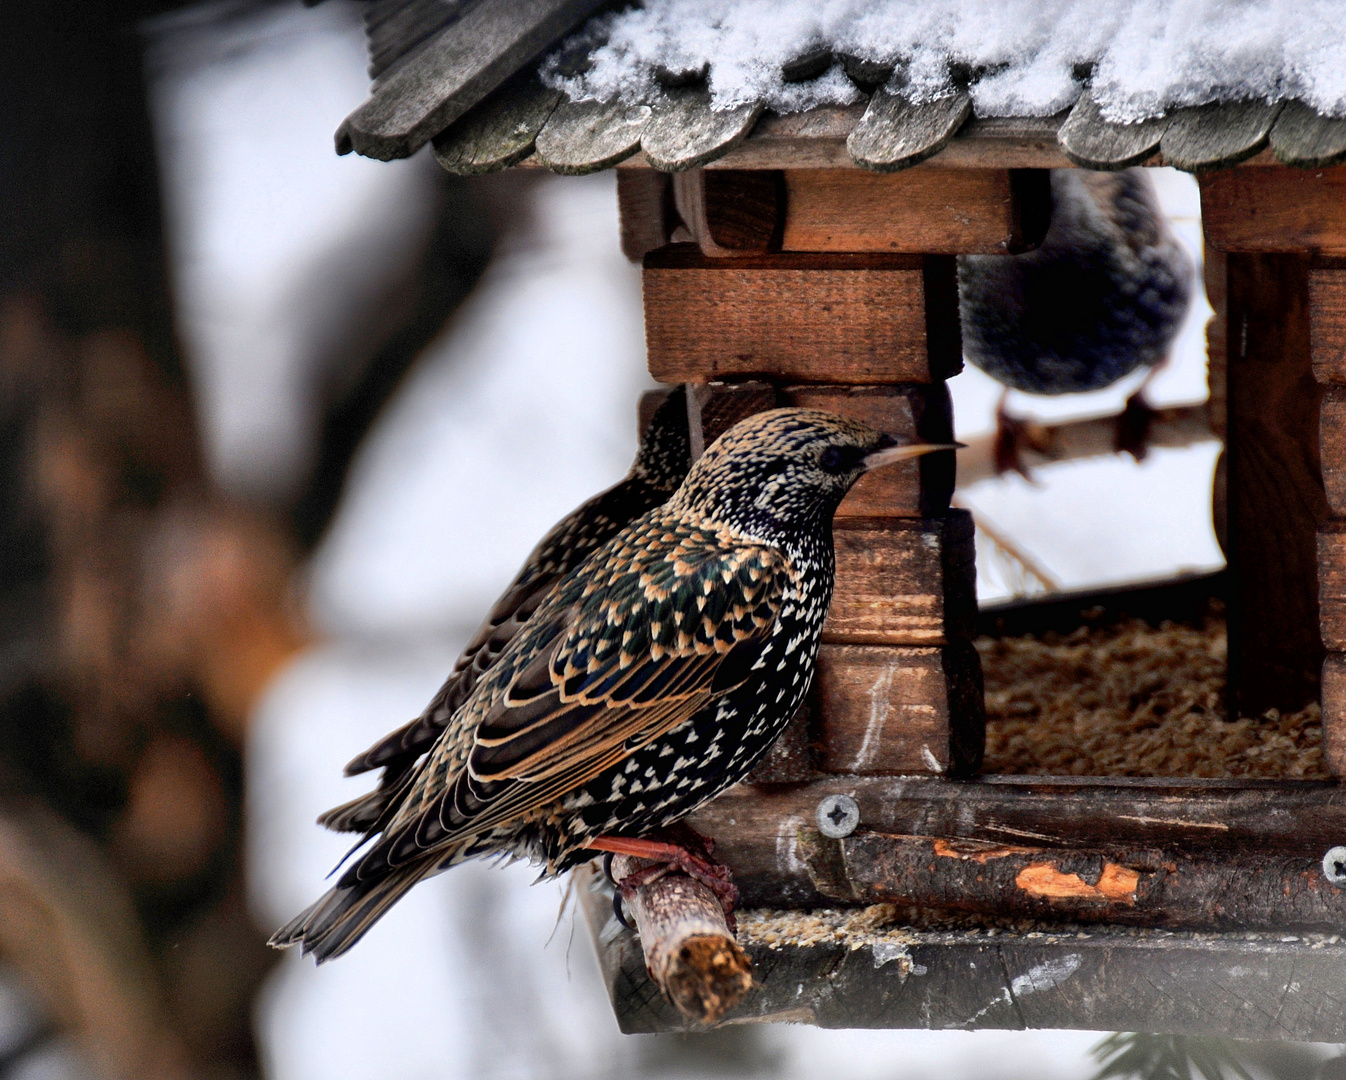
(747, 84)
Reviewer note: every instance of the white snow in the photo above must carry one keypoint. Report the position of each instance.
(1149, 54)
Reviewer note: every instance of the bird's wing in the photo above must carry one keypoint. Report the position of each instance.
(614, 659)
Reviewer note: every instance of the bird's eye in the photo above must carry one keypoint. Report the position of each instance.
(833, 460)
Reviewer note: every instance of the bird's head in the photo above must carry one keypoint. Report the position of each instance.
(665, 452)
(782, 471)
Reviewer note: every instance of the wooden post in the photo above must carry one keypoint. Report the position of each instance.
(690, 952)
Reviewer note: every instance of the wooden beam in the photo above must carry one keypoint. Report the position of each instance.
(883, 711)
(1334, 713)
(1271, 208)
(453, 72)
(808, 318)
(645, 211)
(1276, 500)
(729, 212)
(903, 581)
(769, 838)
(923, 211)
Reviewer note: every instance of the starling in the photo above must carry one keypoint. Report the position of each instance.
(1103, 295)
(661, 463)
(651, 678)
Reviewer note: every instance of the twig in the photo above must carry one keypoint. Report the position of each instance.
(690, 952)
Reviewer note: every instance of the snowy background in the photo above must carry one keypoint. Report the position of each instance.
(523, 407)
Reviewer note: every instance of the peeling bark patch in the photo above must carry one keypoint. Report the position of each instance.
(1117, 883)
(978, 852)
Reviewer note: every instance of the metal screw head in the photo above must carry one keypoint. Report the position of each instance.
(838, 815)
(1334, 865)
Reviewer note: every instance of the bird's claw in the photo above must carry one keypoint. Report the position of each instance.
(1133, 427)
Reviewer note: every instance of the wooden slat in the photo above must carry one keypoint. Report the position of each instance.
(645, 211)
(807, 318)
(1334, 713)
(1261, 208)
(1302, 137)
(395, 27)
(1332, 585)
(684, 131)
(924, 412)
(834, 972)
(588, 136)
(790, 759)
(1217, 135)
(903, 581)
(1332, 446)
(722, 405)
(882, 711)
(989, 211)
(731, 212)
(1276, 498)
(453, 71)
(500, 131)
(894, 134)
(1327, 321)
(1092, 142)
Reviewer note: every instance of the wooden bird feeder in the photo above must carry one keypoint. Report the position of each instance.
(809, 260)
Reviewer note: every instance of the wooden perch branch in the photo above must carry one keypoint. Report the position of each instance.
(690, 952)
(1094, 437)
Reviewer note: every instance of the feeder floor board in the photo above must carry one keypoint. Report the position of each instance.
(855, 969)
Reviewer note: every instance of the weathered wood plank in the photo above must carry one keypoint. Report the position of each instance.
(894, 134)
(1275, 486)
(882, 711)
(685, 132)
(790, 759)
(589, 136)
(903, 581)
(988, 211)
(722, 405)
(645, 211)
(1092, 142)
(1332, 585)
(1217, 135)
(1327, 321)
(924, 412)
(1261, 208)
(730, 212)
(1332, 446)
(1334, 713)
(394, 28)
(500, 131)
(840, 970)
(453, 71)
(807, 318)
(1301, 137)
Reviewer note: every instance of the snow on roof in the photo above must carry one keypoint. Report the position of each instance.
(1025, 57)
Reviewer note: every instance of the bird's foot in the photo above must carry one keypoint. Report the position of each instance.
(684, 851)
(1133, 427)
(1011, 436)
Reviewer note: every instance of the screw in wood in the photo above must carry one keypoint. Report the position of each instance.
(1334, 865)
(838, 815)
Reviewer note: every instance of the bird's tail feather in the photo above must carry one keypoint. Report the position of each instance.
(358, 815)
(342, 916)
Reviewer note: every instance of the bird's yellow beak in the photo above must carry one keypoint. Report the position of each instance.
(888, 454)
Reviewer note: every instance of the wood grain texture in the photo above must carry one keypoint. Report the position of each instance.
(684, 131)
(732, 212)
(588, 136)
(791, 758)
(1334, 713)
(882, 711)
(500, 131)
(690, 952)
(1301, 137)
(1276, 497)
(911, 412)
(894, 134)
(1332, 585)
(1218, 135)
(1261, 208)
(393, 28)
(1327, 321)
(453, 71)
(903, 581)
(1332, 447)
(808, 318)
(645, 211)
(722, 405)
(1092, 142)
(919, 210)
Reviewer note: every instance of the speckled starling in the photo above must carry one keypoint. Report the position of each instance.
(660, 465)
(650, 679)
(1103, 295)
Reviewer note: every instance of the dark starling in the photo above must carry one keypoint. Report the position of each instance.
(650, 679)
(1103, 295)
(661, 463)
